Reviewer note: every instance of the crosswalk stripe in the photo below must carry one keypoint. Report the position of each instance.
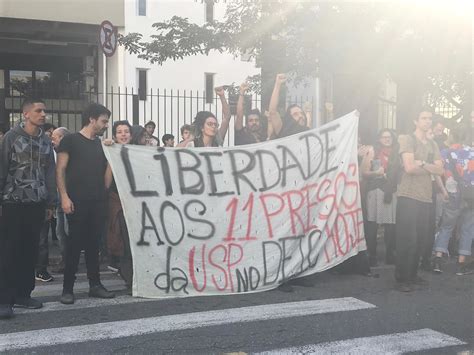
(55, 289)
(397, 343)
(85, 303)
(135, 327)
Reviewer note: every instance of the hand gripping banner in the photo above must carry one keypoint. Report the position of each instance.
(215, 221)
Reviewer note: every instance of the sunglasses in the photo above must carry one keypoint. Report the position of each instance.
(212, 124)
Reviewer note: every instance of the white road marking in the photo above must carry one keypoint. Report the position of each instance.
(397, 343)
(84, 303)
(135, 327)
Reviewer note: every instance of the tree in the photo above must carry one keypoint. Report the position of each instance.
(417, 45)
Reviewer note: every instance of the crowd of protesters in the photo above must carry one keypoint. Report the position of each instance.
(418, 186)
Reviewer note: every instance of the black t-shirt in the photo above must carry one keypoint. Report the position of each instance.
(86, 167)
(290, 127)
(243, 137)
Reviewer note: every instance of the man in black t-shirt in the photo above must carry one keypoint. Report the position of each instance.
(80, 176)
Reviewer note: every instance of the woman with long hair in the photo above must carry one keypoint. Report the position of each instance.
(118, 243)
(379, 169)
(207, 132)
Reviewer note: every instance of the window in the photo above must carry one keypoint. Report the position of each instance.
(142, 84)
(21, 82)
(209, 10)
(141, 7)
(209, 78)
(43, 84)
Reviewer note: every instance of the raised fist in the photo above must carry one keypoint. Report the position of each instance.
(244, 87)
(219, 91)
(281, 78)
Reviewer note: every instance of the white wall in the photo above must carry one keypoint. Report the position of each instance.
(76, 11)
(187, 73)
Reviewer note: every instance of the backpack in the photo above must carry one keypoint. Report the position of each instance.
(466, 189)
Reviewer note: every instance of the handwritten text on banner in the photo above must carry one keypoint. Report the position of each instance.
(214, 221)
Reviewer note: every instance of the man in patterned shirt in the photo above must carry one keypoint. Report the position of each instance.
(27, 192)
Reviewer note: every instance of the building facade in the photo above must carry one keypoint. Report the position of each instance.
(50, 49)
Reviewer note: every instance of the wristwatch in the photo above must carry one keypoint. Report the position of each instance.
(423, 163)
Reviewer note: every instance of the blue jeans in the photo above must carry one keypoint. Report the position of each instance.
(454, 213)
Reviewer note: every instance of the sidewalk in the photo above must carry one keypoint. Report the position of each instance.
(46, 290)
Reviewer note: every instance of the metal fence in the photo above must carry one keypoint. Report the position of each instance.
(169, 109)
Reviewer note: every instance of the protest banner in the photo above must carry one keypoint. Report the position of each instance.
(214, 221)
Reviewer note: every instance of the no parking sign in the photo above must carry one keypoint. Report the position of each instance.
(108, 38)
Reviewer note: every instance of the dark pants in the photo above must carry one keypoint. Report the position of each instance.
(126, 264)
(19, 236)
(411, 231)
(85, 229)
(43, 248)
(371, 239)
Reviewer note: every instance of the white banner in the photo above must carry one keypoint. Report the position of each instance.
(213, 221)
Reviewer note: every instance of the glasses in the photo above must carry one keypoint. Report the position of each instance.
(386, 137)
(212, 124)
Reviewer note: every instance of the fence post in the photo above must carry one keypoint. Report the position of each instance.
(4, 121)
(135, 109)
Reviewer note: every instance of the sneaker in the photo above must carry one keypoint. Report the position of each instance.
(464, 269)
(437, 265)
(67, 298)
(43, 276)
(99, 291)
(27, 302)
(403, 287)
(6, 311)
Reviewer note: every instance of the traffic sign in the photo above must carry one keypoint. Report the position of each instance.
(108, 38)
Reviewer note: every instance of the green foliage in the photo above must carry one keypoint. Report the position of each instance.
(304, 38)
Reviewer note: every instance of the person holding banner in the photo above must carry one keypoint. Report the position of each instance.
(80, 175)
(118, 243)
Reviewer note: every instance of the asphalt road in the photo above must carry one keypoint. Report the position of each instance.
(326, 313)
